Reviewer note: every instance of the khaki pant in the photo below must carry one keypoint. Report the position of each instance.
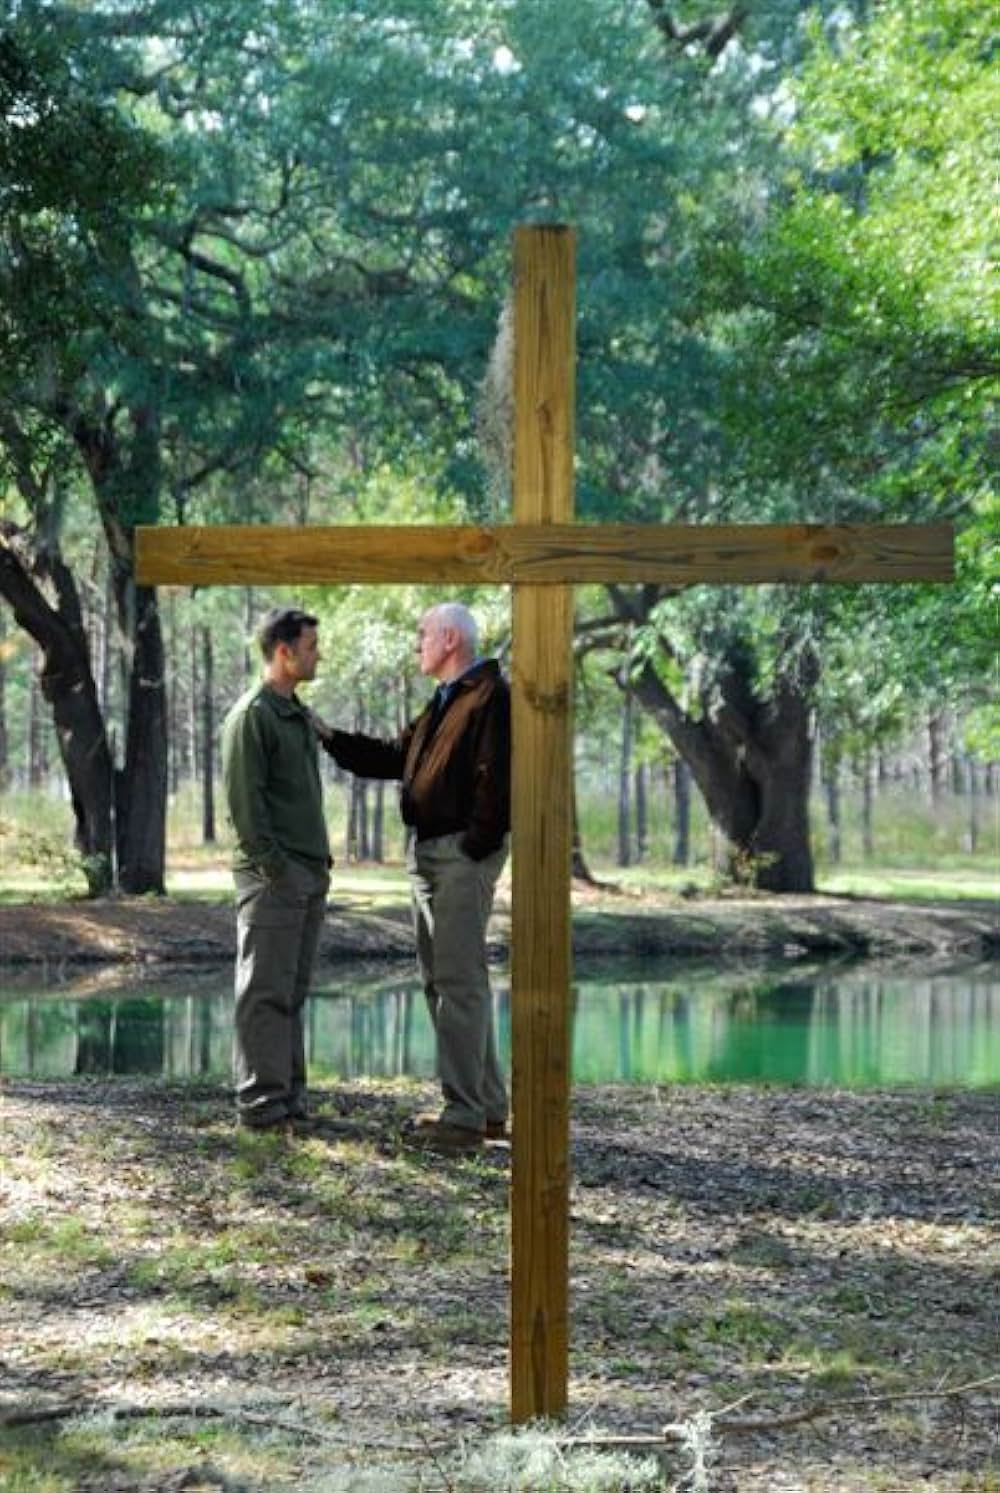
(277, 928)
(452, 897)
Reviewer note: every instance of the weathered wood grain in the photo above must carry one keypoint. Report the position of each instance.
(541, 958)
(544, 553)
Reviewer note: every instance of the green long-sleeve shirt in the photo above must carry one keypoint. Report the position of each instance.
(273, 790)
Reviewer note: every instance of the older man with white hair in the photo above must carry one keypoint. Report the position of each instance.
(454, 764)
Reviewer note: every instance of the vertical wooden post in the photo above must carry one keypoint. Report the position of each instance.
(541, 960)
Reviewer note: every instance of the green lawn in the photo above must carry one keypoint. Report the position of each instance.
(919, 860)
(207, 878)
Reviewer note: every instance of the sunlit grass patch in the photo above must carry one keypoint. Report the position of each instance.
(831, 1367)
(745, 1330)
(935, 883)
(55, 1241)
(97, 1450)
(45, 1462)
(189, 1264)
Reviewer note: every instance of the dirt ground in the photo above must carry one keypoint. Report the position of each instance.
(186, 1307)
(313, 1313)
(158, 930)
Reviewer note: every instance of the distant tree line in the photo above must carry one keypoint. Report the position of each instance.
(623, 762)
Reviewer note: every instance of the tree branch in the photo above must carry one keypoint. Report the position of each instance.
(715, 32)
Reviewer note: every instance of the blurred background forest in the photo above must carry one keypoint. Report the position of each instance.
(254, 260)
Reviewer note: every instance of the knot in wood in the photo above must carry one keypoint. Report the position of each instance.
(549, 702)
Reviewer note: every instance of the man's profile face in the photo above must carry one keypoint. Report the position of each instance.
(303, 655)
(433, 645)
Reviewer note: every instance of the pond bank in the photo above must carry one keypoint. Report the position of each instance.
(167, 931)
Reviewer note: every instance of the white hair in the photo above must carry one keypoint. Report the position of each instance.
(454, 614)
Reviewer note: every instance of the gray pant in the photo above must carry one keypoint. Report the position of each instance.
(277, 929)
(452, 897)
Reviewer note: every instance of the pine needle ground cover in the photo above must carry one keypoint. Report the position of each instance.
(186, 1307)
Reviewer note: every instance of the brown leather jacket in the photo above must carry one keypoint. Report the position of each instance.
(455, 772)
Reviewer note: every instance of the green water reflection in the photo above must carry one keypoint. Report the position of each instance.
(857, 1026)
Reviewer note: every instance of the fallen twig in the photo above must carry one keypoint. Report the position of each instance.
(68, 1410)
(819, 1408)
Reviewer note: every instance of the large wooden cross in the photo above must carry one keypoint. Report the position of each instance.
(541, 555)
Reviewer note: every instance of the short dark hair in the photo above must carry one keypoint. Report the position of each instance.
(282, 625)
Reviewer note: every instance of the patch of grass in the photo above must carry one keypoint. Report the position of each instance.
(188, 1265)
(829, 1368)
(55, 1459)
(969, 883)
(850, 1300)
(96, 1451)
(25, 1469)
(67, 1242)
(984, 1482)
(768, 1251)
(740, 1325)
(256, 1155)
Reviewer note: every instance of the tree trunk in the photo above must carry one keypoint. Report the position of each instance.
(353, 817)
(378, 824)
(957, 759)
(141, 800)
(4, 736)
(831, 788)
(972, 800)
(625, 780)
(751, 756)
(249, 618)
(867, 809)
(937, 736)
(68, 685)
(207, 739)
(780, 845)
(36, 744)
(120, 445)
(174, 652)
(682, 812)
(364, 842)
(752, 761)
(104, 653)
(641, 811)
(579, 869)
(191, 712)
(362, 838)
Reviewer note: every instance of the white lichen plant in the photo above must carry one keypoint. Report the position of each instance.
(537, 1459)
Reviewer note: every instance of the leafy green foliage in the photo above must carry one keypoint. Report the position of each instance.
(250, 268)
(865, 344)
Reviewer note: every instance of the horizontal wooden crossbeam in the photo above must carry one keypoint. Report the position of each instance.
(543, 554)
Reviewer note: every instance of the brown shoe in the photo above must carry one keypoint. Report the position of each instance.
(430, 1120)
(446, 1140)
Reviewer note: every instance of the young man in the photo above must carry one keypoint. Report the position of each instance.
(281, 869)
(454, 763)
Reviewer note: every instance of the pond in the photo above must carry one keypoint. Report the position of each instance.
(666, 1021)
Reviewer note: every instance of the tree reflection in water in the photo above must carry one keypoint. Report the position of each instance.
(677, 1023)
